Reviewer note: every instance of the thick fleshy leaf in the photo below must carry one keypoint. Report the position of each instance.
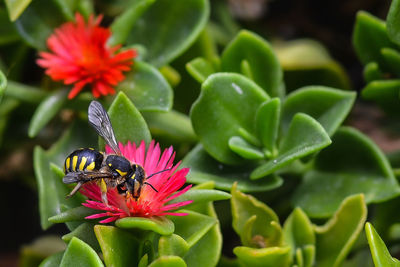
(305, 136)
(204, 168)
(263, 257)
(172, 245)
(127, 121)
(46, 111)
(168, 261)
(353, 164)
(379, 251)
(264, 222)
(25, 93)
(299, 234)
(52, 191)
(252, 56)
(160, 225)
(120, 248)
(337, 236)
(193, 226)
(84, 232)
(16, 7)
(3, 84)
(369, 37)
(147, 88)
(78, 253)
(226, 107)
(384, 92)
(372, 72)
(207, 250)
(392, 21)
(330, 109)
(123, 24)
(38, 21)
(199, 196)
(75, 214)
(241, 147)
(172, 125)
(168, 28)
(200, 69)
(391, 58)
(307, 62)
(34, 253)
(52, 261)
(267, 123)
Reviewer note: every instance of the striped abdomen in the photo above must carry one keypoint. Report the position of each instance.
(84, 159)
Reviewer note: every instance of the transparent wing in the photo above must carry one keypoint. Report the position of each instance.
(75, 177)
(100, 121)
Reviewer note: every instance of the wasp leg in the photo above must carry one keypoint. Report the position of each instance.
(76, 188)
(103, 188)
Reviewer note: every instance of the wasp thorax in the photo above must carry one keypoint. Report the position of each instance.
(119, 165)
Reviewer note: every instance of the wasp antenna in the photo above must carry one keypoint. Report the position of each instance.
(151, 186)
(158, 172)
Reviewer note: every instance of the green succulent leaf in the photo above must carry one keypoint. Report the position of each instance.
(46, 111)
(168, 261)
(173, 27)
(372, 72)
(160, 225)
(127, 121)
(74, 214)
(204, 168)
(193, 226)
(252, 56)
(391, 58)
(241, 147)
(147, 88)
(37, 23)
(369, 37)
(52, 191)
(207, 250)
(123, 24)
(263, 257)
(172, 245)
(379, 251)
(338, 174)
(120, 248)
(173, 125)
(392, 20)
(25, 93)
(299, 235)
(53, 260)
(384, 92)
(78, 253)
(226, 107)
(330, 109)
(16, 7)
(305, 136)
(200, 196)
(267, 123)
(337, 236)
(84, 232)
(306, 62)
(264, 223)
(200, 68)
(3, 84)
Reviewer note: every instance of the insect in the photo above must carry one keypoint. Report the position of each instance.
(109, 170)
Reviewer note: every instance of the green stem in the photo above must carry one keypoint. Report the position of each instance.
(25, 93)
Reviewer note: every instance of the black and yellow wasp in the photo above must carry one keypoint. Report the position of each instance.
(109, 170)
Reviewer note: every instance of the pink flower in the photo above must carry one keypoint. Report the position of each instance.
(150, 203)
(79, 56)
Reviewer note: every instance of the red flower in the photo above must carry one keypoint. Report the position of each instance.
(79, 55)
(150, 203)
